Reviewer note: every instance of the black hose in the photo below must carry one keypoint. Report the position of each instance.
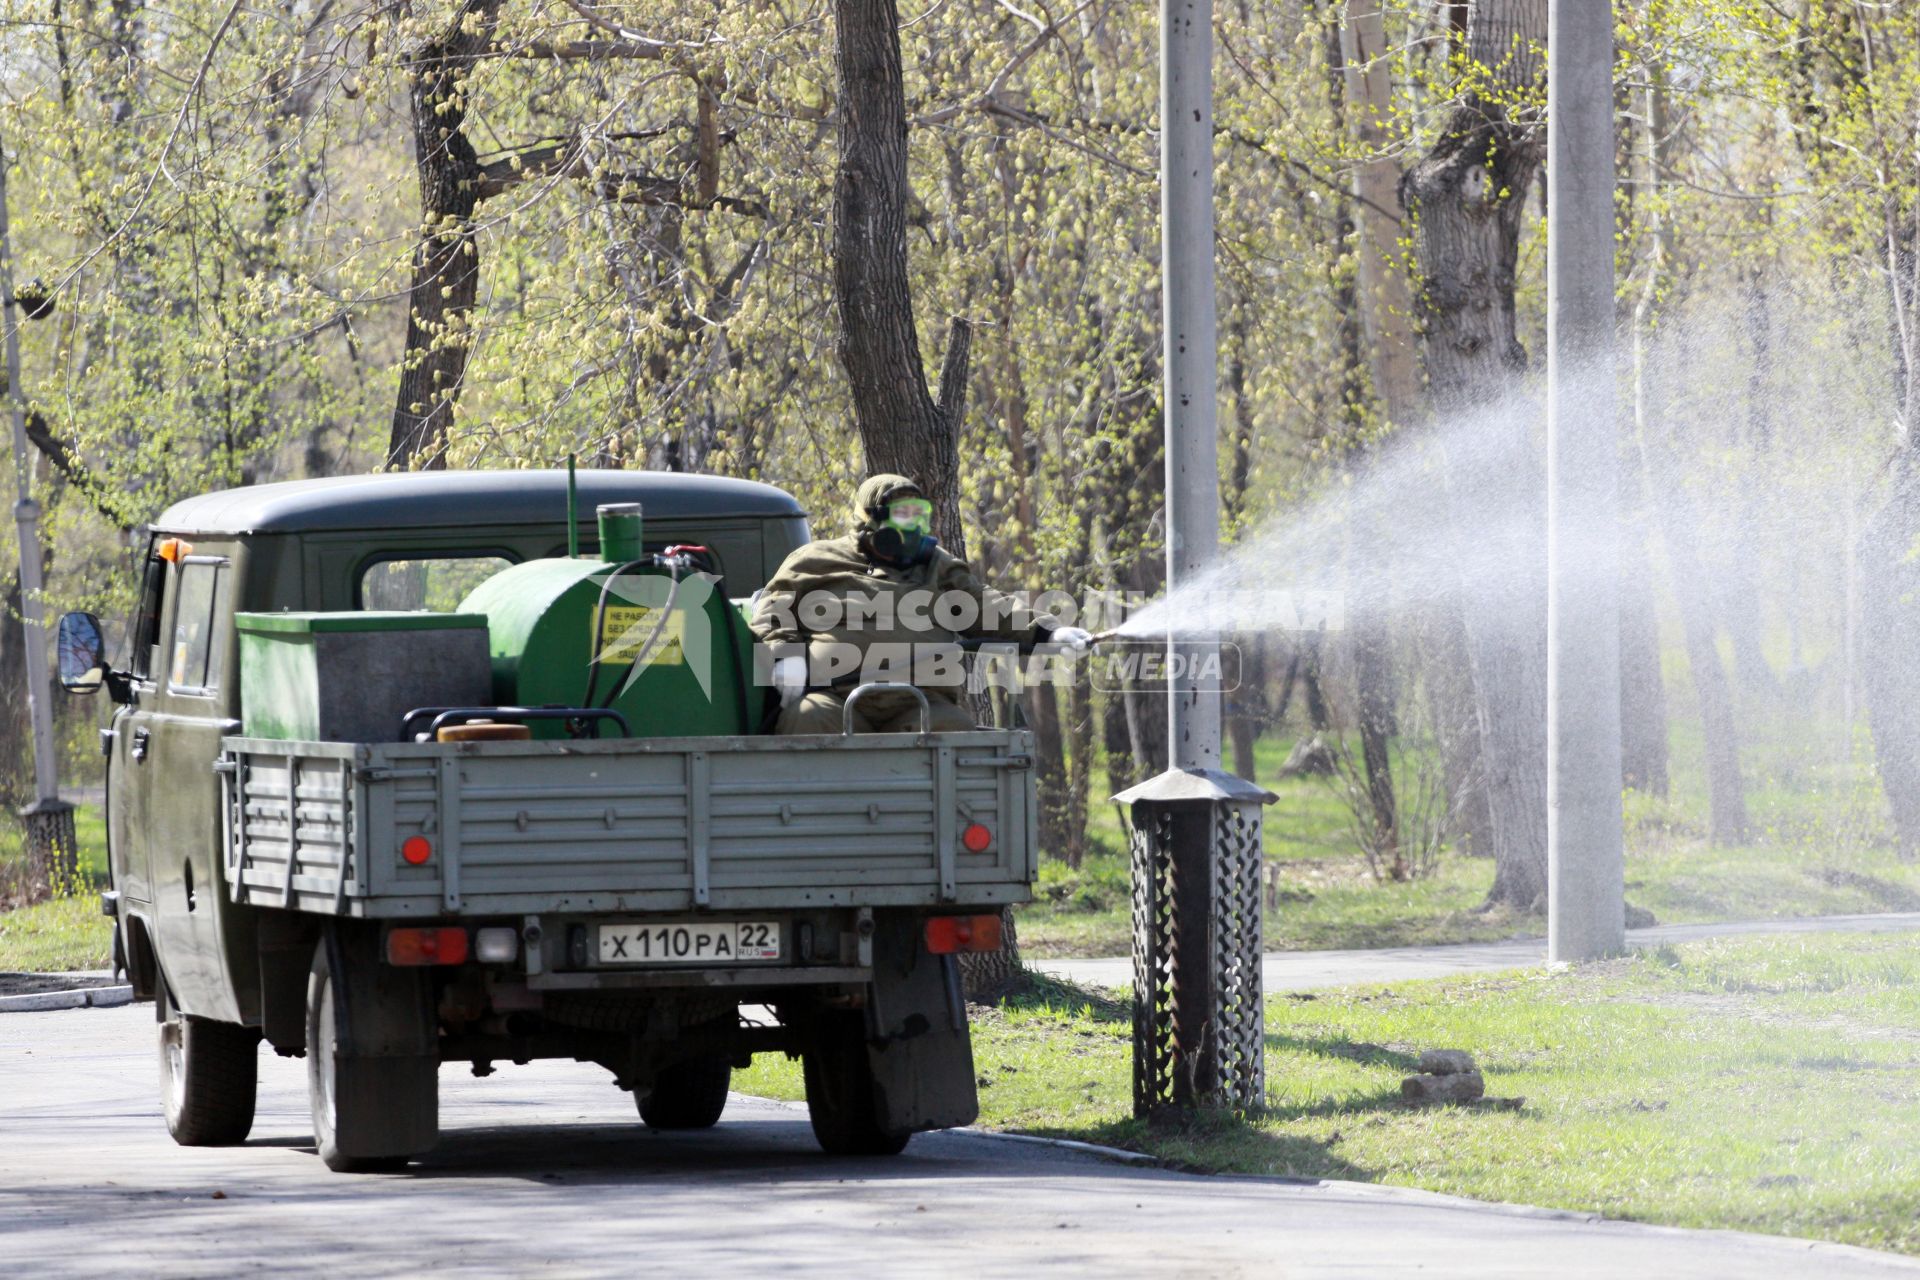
(599, 628)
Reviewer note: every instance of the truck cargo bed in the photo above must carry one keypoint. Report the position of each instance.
(633, 824)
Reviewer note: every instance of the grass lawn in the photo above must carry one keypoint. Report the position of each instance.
(68, 932)
(1764, 1085)
(1819, 844)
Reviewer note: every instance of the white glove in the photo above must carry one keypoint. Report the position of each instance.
(1074, 638)
(790, 678)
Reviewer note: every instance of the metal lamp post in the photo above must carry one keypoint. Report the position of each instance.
(1196, 831)
(1585, 871)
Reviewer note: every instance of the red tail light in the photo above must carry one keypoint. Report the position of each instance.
(976, 838)
(427, 946)
(416, 849)
(949, 934)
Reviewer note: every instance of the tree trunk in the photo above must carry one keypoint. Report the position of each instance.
(902, 428)
(1663, 466)
(16, 731)
(1726, 799)
(1469, 193)
(1240, 706)
(1456, 725)
(1889, 634)
(1679, 525)
(1117, 741)
(1079, 767)
(446, 262)
(1384, 295)
(1366, 324)
(1373, 681)
(1050, 767)
(1244, 712)
(1319, 717)
(1643, 692)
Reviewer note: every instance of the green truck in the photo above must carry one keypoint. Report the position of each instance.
(408, 770)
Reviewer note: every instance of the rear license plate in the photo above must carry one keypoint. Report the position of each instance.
(690, 942)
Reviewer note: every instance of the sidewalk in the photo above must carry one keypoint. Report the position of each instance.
(1308, 970)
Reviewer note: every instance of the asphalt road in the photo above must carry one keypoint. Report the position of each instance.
(544, 1170)
(1309, 970)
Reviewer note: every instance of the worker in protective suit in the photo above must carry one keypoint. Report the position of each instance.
(884, 604)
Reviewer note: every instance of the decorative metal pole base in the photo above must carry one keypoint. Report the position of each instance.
(53, 849)
(1198, 1027)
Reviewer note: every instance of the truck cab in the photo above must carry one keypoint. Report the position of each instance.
(267, 889)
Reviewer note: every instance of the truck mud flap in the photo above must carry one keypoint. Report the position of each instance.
(920, 1048)
(387, 1061)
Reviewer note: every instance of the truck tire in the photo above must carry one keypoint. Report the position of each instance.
(370, 1115)
(209, 1074)
(840, 1093)
(688, 1095)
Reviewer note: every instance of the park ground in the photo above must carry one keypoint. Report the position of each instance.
(1766, 1084)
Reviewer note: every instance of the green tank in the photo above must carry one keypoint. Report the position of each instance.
(566, 632)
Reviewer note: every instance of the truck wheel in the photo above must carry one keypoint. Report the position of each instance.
(840, 1095)
(363, 1108)
(209, 1073)
(688, 1095)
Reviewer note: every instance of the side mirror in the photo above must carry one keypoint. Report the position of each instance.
(83, 653)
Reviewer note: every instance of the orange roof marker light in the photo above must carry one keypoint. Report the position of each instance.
(173, 550)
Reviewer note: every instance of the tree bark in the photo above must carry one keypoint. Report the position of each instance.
(1469, 193)
(902, 428)
(446, 262)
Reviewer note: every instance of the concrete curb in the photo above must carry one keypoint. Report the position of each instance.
(1118, 1155)
(80, 998)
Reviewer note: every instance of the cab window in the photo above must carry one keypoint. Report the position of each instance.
(193, 660)
(434, 583)
(145, 632)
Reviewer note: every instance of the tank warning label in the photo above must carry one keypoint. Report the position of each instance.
(627, 628)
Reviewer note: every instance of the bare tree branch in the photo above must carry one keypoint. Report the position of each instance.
(76, 472)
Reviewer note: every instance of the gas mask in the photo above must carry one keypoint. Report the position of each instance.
(903, 535)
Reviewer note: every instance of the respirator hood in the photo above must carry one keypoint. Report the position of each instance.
(880, 539)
